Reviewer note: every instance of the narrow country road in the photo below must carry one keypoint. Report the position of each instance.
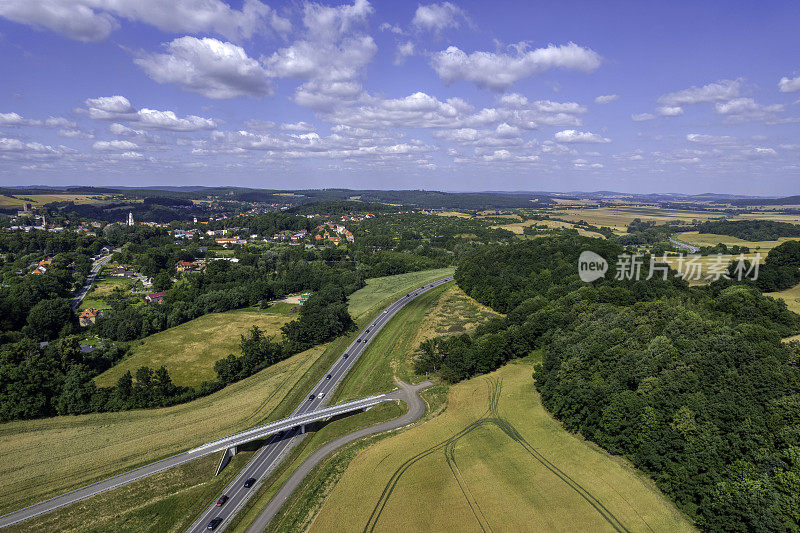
(96, 266)
(416, 408)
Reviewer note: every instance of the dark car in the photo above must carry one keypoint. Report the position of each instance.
(249, 483)
(366, 331)
(222, 500)
(345, 356)
(311, 397)
(328, 376)
(214, 523)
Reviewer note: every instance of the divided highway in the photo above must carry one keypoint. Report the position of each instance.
(268, 456)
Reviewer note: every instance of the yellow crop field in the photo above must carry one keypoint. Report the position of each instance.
(494, 460)
(189, 350)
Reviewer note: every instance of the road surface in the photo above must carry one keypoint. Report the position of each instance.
(691, 249)
(96, 266)
(276, 448)
(416, 408)
(264, 459)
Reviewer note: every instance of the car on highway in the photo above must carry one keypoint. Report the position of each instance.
(328, 376)
(215, 522)
(249, 483)
(321, 394)
(311, 397)
(345, 356)
(222, 500)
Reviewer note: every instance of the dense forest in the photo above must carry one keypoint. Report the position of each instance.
(692, 384)
(751, 230)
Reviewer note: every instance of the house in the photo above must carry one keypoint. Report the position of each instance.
(88, 316)
(183, 266)
(225, 241)
(155, 297)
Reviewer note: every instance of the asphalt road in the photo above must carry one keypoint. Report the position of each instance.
(96, 266)
(416, 408)
(268, 456)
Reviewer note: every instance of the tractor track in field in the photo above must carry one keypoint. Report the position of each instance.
(489, 417)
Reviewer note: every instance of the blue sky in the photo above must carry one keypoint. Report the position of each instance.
(629, 96)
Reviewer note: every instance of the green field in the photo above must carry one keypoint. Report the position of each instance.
(379, 291)
(711, 239)
(443, 310)
(190, 350)
(494, 460)
(43, 458)
(103, 287)
(156, 504)
(791, 296)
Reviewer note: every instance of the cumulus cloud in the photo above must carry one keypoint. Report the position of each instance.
(713, 140)
(499, 71)
(94, 20)
(747, 109)
(14, 119)
(606, 98)
(789, 85)
(404, 50)
(119, 109)
(574, 136)
(641, 117)
(670, 110)
(330, 58)
(297, 126)
(211, 67)
(114, 146)
(713, 92)
(437, 17)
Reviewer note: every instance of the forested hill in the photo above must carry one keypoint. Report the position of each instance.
(693, 385)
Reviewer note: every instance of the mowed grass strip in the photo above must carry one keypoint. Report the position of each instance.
(189, 350)
(157, 504)
(43, 458)
(380, 292)
(512, 468)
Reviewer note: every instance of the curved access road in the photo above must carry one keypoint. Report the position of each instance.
(416, 408)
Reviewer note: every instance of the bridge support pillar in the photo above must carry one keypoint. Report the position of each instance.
(226, 458)
(302, 429)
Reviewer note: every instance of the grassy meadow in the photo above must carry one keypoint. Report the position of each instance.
(711, 239)
(190, 350)
(86, 448)
(493, 460)
(381, 291)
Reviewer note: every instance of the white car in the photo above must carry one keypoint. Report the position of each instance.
(321, 395)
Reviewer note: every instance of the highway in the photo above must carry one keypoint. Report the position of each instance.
(416, 408)
(96, 266)
(268, 456)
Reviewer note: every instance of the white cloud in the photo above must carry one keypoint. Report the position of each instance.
(506, 131)
(713, 92)
(670, 111)
(787, 85)
(499, 71)
(297, 126)
(119, 109)
(330, 58)
(397, 30)
(437, 17)
(606, 98)
(94, 20)
(404, 50)
(74, 133)
(14, 119)
(114, 146)
(641, 117)
(747, 109)
(714, 140)
(574, 136)
(213, 68)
